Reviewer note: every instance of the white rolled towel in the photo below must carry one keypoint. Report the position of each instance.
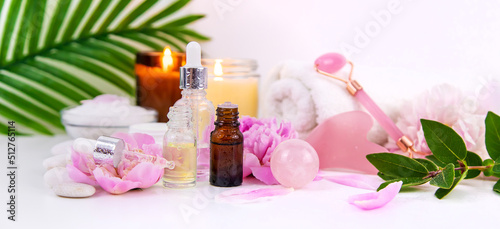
(294, 91)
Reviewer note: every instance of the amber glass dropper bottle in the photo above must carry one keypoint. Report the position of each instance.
(226, 148)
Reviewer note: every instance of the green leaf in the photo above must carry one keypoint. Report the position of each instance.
(192, 34)
(386, 177)
(55, 23)
(166, 12)
(20, 117)
(182, 21)
(445, 144)
(23, 34)
(49, 100)
(445, 178)
(75, 20)
(136, 13)
(42, 113)
(441, 192)
(436, 161)
(36, 22)
(12, 14)
(496, 187)
(496, 167)
(112, 16)
(492, 135)
(488, 162)
(54, 53)
(407, 182)
(429, 165)
(473, 159)
(397, 165)
(103, 5)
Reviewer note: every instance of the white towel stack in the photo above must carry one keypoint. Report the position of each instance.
(294, 91)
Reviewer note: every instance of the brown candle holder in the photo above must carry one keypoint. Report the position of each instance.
(158, 85)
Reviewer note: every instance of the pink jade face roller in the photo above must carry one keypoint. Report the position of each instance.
(330, 63)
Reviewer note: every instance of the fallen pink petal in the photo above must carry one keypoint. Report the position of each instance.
(249, 195)
(356, 181)
(374, 200)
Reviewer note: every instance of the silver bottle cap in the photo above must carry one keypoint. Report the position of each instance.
(193, 78)
(193, 75)
(108, 150)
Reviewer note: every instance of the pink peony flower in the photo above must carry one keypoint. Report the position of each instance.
(262, 136)
(450, 106)
(132, 172)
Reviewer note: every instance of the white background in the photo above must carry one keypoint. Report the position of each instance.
(443, 41)
(320, 204)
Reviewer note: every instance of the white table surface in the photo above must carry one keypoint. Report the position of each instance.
(321, 204)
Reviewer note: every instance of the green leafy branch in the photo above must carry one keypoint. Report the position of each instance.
(450, 162)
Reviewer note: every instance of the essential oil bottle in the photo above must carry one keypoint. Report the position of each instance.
(193, 82)
(226, 148)
(179, 146)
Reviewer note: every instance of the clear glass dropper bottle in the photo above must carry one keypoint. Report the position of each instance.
(179, 146)
(193, 82)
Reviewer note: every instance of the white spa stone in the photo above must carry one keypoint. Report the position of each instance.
(57, 161)
(74, 190)
(84, 145)
(56, 176)
(62, 148)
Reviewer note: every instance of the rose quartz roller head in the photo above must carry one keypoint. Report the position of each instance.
(330, 63)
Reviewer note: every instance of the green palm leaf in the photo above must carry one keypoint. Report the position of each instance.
(54, 53)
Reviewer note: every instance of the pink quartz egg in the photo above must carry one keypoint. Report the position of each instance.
(294, 163)
(330, 62)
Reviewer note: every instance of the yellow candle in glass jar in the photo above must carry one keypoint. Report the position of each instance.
(233, 81)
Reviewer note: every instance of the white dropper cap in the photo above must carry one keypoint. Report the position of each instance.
(193, 55)
(193, 75)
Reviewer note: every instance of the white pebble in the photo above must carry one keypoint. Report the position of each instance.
(56, 176)
(62, 148)
(74, 190)
(57, 161)
(84, 145)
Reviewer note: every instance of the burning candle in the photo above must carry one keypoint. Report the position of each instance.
(157, 75)
(233, 80)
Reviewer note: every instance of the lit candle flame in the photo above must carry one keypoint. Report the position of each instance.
(218, 70)
(167, 59)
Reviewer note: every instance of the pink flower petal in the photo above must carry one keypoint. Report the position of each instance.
(249, 195)
(78, 176)
(125, 166)
(82, 161)
(128, 138)
(143, 139)
(112, 184)
(153, 149)
(264, 174)
(356, 181)
(249, 160)
(145, 173)
(369, 201)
